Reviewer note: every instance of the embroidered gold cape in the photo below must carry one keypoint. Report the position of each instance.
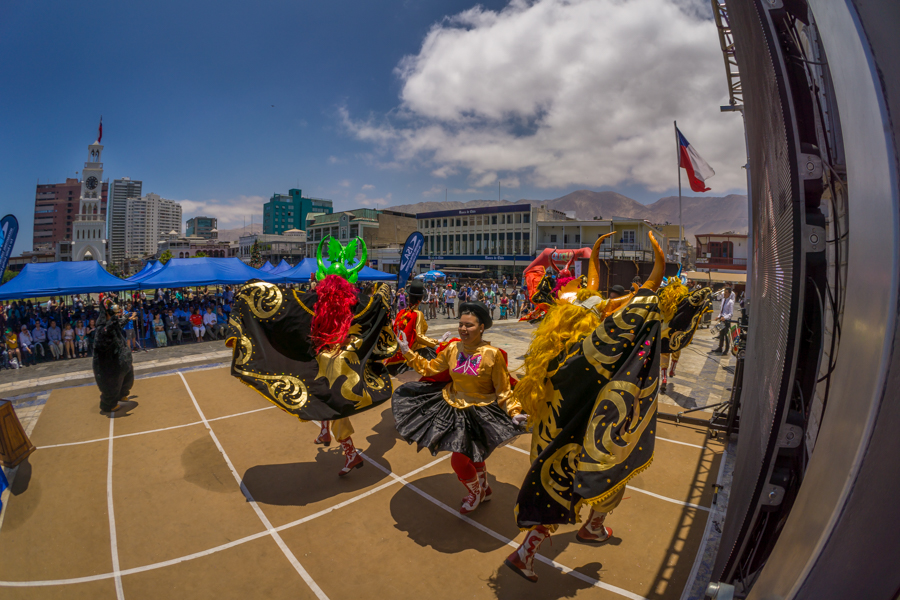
(269, 331)
(601, 428)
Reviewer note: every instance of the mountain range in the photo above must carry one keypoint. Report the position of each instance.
(701, 214)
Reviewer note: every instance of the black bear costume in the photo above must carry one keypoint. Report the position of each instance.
(113, 370)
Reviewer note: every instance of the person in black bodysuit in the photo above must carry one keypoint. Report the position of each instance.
(113, 370)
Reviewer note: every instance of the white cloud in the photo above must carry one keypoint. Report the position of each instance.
(334, 160)
(230, 213)
(368, 186)
(344, 183)
(564, 92)
(435, 189)
(364, 200)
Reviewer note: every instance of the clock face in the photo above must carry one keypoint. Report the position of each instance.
(91, 182)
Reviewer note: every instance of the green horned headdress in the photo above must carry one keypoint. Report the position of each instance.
(340, 257)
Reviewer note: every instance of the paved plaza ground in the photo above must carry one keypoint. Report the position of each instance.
(205, 490)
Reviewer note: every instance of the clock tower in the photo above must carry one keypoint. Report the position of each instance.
(89, 226)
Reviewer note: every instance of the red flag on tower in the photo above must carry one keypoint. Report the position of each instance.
(100, 135)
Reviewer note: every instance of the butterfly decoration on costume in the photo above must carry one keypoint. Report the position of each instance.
(467, 365)
(340, 257)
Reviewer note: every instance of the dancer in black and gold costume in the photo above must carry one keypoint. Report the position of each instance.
(315, 355)
(591, 388)
(681, 311)
(412, 323)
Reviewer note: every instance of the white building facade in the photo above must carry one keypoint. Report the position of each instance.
(89, 226)
(119, 193)
(148, 220)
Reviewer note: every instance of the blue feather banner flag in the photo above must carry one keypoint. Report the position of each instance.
(9, 229)
(411, 249)
(4, 483)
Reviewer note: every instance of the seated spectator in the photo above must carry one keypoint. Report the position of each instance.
(222, 321)
(68, 337)
(80, 339)
(12, 347)
(39, 338)
(210, 322)
(26, 346)
(197, 325)
(54, 338)
(159, 331)
(173, 331)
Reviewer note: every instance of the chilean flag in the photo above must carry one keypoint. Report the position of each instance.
(698, 170)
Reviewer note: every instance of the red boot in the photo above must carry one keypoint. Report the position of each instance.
(471, 502)
(486, 490)
(352, 459)
(672, 368)
(522, 560)
(662, 387)
(324, 435)
(594, 531)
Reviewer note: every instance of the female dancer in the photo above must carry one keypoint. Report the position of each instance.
(469, 416)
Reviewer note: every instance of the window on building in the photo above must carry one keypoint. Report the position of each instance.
(494, 220)
(445, 223)
(432, 223)
(552, 238)
(478, 221)
(526, 218)
(518, 218)
(478, 243)
(444, 242)
(627, 236)
(577, 238)
(494, 242)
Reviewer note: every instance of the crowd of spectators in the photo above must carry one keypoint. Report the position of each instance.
(60, 329)
(64, 328)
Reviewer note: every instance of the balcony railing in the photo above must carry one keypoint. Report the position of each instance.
(721, 260)
(604, 247)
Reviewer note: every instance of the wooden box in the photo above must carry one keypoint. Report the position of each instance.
(14, 443)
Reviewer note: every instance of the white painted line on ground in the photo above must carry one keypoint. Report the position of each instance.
(215, 549)
(114, 546)
(631, 487)
(684, 443)
(259, 513)
(504, 539)
(125, 435)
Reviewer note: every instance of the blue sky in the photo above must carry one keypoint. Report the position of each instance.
(218, 105)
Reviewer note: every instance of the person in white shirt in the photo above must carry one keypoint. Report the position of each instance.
(210, 321)
(725, 316)
(451, 302)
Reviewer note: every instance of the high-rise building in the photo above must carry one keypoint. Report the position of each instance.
(205, 227)
(290, 211)
(148, 220)
(55, 206)
(121, 190)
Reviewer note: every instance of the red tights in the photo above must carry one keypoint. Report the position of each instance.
(464, 467)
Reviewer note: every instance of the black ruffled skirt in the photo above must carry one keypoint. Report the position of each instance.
(398, 368)
(423, 417)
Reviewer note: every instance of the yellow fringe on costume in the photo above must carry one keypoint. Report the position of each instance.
(670, 296)
(562, 326)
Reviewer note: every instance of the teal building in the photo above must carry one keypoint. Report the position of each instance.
(290, 211)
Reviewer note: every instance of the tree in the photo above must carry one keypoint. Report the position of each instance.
(255, 256)
(165, 256)
(200, 254)
(7, 275)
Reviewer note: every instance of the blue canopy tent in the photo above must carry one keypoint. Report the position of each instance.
(39, 280)
(280, 268)
(307, 266)
(190, 272)
(267, 268)
(147, 271)
(144, 270)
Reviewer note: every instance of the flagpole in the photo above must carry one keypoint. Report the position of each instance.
(680, 221)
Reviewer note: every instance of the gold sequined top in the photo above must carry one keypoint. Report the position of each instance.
(422, 340)
(478, 377)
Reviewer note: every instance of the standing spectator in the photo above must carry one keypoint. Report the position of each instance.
(401, 300)
(80, 339)
(504, 305)
(89, 332)
(159, 331)
(173, 331)
(451, 301)
(520, 302)
(210, 321)
(197, 325)
(39, 338)
(54, 338)
(26, 346)
(725, 318)
(130, 317)
(68, 336)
